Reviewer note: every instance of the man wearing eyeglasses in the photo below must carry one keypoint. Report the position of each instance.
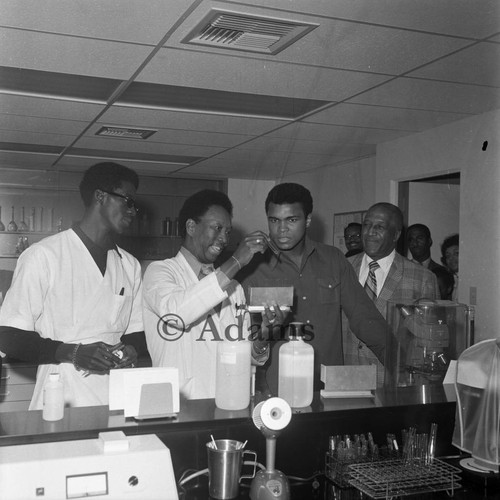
(74, 306)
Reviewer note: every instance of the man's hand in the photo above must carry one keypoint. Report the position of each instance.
(272, 315)
(256, 242)
(97, 357)
(129, 357)
(252, 243)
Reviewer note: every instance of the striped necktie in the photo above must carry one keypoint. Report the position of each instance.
(371, 281)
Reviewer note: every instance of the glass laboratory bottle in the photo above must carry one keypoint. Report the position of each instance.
(23, 227)
(53, 398)
(2, 226)
(296, 369)
(12, 224)
(233, 375)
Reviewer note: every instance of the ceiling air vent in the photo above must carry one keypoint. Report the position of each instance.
(125, 132)
(228, 30)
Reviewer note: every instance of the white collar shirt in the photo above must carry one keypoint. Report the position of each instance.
(381, 273)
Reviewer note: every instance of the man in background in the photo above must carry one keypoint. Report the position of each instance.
(418, 238)
(352, 239)
(386, 275)
(324, 284)
(449, 257)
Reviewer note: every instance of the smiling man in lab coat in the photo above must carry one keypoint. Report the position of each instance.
(75, 295)
(189, 305)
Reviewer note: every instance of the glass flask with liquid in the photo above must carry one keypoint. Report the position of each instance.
(23, 227)
(12, 224)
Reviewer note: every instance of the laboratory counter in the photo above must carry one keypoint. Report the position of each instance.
(301, 446)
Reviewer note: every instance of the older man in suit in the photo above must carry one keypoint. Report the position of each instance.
(386, 275)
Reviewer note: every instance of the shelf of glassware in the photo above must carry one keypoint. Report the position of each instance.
(10, 243)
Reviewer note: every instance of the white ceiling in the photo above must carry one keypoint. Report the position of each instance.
(372, 70)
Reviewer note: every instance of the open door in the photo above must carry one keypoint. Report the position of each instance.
(433, 201)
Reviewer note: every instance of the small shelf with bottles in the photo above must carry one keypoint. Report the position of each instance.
(12, 244)
(21, 232)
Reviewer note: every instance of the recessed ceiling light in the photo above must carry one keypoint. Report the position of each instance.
(125, 132)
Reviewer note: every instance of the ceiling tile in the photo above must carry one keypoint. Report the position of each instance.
(240, 74)
(123, 145)
(432, 96)
(40, 125)
(123, 21)
(479, 65)
(337, 134)
(374, 116)
(467, 18)
(190, 121)
(46, 107)
(66, 54)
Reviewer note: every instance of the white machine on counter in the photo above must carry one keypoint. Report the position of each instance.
(113, 466)
(271, 417)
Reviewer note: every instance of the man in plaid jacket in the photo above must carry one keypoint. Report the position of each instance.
(397, 278)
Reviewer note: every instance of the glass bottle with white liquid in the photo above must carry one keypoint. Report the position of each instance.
(296, 369)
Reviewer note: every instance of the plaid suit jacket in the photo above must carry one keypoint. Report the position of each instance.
(406, 281)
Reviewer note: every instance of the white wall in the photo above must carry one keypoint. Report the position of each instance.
(451, 148)
(345, 188)
(248, 198)
(437, 206)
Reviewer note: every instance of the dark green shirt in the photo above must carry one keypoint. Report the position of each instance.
(324, 285)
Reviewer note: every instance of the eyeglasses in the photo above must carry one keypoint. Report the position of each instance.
(130, 202)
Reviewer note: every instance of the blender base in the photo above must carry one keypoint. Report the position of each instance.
(270, 485)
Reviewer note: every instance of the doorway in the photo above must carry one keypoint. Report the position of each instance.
(435, 202)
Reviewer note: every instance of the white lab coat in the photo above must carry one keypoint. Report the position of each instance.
(59, 292)
(172, 291)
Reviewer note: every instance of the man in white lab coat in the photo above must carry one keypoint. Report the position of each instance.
(75, 295)
(189, 305)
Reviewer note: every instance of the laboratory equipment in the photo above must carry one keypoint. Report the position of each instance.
(53, 398)
(296, 369)
(233, 375)
(260, 296)
(2, 225)
(22, 225)
(112, 466)
(225, 458)
(423, 336)
(12, 224)
(271, 417)
(477, 422)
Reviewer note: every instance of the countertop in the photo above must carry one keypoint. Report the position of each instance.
(87, 422)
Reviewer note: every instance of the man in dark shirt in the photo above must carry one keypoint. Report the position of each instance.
(352, 239)
(418, 237)
(323, 280)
